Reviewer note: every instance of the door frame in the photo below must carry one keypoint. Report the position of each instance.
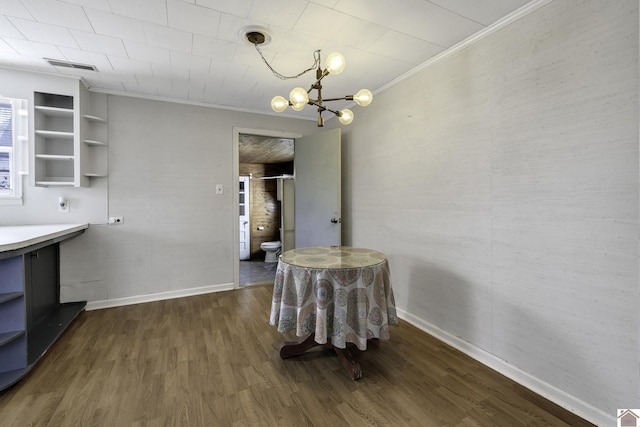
(236, 176)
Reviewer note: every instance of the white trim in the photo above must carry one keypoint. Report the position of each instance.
(11, 201)
(160, 296)
(16, 152)
(498, 25)
(200, 104)
(544, 389)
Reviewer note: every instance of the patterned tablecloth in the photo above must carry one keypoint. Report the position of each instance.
(337, 292)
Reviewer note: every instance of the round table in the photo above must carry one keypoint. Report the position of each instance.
(333, 295)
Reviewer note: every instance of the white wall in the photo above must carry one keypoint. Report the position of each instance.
(164, 161)
(502, 183)
(40, 204)
(177, 237)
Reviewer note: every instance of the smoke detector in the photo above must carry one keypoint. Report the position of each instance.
(255, 35)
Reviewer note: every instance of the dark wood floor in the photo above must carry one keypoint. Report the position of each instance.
(212, 360)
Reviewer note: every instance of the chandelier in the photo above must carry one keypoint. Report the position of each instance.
(299, 97)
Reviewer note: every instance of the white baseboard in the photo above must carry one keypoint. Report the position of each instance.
(139, 299)
(544, 389)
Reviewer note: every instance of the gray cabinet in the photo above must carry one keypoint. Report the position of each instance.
(31, 315)
(13, 325)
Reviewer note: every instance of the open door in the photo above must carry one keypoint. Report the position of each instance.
(317, 170)
(244, 218)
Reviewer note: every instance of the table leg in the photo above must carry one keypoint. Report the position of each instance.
(297, 348)
(349, 362)
(345, 355)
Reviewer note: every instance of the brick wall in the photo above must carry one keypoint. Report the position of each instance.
(264, 206)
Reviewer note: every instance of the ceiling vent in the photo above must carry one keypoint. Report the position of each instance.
(67, 64)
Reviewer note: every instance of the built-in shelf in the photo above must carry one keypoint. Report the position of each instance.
(50, 182)
(7, 337)
(70, 137)
(54, 111)
(92, 142)
(55, 139)
(10, 296)
(55, 134)
(55, 157)
(94, 118)
(94, 137)
(50, 328)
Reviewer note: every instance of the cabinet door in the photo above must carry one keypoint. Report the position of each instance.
(41, 270)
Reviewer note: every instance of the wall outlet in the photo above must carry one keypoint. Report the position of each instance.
(116, 220)
(63, 205)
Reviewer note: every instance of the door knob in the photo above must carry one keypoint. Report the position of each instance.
(336, 220)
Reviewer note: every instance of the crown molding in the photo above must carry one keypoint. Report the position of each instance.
(474, 38)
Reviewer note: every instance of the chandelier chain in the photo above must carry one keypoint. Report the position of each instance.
(316, 57)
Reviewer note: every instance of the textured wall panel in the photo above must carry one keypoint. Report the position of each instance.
(502, 183)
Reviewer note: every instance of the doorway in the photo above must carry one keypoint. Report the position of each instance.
(260, 156)
(317, 196)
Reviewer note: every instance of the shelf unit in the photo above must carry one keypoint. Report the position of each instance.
(55, 148)
(13, 325)
(70, 138)
(31, 315)
(94, 135)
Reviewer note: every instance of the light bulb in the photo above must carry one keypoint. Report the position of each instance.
(299, 106)
(298, 95)
(335, 63)
(363, 97)
(279, 104)
(346, 116)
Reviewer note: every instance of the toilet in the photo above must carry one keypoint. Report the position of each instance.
(272, 250)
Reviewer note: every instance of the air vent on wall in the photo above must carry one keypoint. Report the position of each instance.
(67, 64)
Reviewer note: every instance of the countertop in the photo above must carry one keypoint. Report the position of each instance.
(20, 236)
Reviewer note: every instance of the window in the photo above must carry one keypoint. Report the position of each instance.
(13, 149)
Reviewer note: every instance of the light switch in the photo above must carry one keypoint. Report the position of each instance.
(219, 189)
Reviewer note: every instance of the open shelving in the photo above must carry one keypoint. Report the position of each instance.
(55, 135)
(94, 136)
(70, 138)
(13, 323)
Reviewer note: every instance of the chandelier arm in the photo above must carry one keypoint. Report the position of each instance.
(323, 107)
(319, 76)
(344, 98)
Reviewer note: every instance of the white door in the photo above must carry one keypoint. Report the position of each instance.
(243, 214)
(317, 189)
